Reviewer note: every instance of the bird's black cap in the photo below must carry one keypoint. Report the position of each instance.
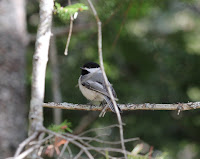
(88, 65)
(91, 65)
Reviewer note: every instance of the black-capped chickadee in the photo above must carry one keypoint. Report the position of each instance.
(92, 85)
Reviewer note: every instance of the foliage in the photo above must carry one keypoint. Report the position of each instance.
(64, 126)
(64, 13)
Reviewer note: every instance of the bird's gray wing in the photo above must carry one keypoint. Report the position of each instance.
(96, 83)
(95, 86)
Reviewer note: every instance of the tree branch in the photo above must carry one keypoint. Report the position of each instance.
(72, 141)
(84, 143)
(40, 59)
(70, 31)
(24, 143)
(126, 107)
(35, 146)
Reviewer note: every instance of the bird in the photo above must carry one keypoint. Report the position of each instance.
(92, 85)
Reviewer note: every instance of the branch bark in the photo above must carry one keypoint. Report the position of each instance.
(40, 59)
(126, 107)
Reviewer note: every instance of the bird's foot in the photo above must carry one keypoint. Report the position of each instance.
(103, 112)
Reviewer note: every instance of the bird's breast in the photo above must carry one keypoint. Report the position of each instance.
(90, 94)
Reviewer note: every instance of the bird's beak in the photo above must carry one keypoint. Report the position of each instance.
(82, 68)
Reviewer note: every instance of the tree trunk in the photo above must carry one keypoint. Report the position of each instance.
(13, 124)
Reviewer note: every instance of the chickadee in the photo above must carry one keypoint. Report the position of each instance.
(92, 85)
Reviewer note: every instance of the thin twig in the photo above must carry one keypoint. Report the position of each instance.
(42, 140)
(98, 140)
(72, 141)
(63, 149)
(32, 148)
(79, 154)
(81, 151)
(24, 143)
(70, 32)
(122, 24)
(97, 149)
(94, 148)
(27, 152)
(98, 129)
(109, 149)
(70, 152)
(80, 141)
(85, 143)
(121, 3)
(105, 77)
(108, 142)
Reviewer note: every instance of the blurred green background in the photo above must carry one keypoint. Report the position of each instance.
(151, 53)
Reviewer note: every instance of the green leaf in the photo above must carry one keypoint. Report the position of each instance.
(64, 13)
(65, 125)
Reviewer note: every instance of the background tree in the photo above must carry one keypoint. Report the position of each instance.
(13, 40)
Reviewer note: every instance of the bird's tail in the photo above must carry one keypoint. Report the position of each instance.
(110, 104)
